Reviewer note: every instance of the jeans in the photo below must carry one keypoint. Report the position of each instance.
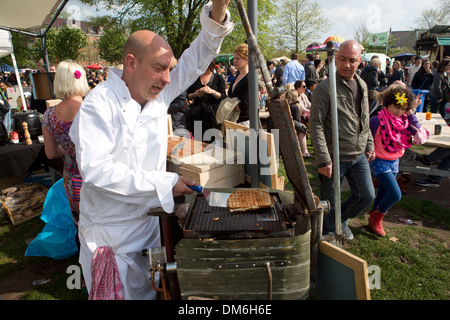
(388, 193)
(359, 178)
(441, 155)
(436, 107)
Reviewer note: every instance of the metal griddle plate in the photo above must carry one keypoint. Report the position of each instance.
(204, 222)
(280, 113)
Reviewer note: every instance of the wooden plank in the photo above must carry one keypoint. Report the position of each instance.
(190, 147)
(53, 102)
(424, 170)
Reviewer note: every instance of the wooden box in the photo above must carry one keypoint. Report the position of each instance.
(23, 202)
(237, 269)
(215, 168)
(207, 165)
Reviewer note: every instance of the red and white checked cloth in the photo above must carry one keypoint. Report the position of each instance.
(106, 283)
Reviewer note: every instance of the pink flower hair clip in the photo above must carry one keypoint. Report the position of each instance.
(77, 74)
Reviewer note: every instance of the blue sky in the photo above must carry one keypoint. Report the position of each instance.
(346, 15)
(379, 16)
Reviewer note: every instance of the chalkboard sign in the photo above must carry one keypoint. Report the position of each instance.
(341, 275)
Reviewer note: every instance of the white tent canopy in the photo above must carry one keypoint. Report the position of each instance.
(5, 44)
(27, 14)
(24, 16)
(6, 48)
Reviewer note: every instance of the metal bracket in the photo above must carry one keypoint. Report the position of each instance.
(250, 264)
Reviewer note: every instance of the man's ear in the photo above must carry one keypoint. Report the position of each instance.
(130, 63)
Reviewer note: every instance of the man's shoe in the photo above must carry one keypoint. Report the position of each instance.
(346, 231)
(423, 159)
(428, 182)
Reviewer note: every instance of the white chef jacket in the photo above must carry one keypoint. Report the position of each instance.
(121, 154)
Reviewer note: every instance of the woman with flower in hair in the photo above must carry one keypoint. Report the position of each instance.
(392, 131)
(70, 85)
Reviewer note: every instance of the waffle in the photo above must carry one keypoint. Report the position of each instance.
(251, 199)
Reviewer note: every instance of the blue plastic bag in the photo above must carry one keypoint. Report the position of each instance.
(57, 239)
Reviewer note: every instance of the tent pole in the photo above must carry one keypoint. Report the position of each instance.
(46, 62)
(20, 31)
(253, 91)
(43, 38)
(334, 118)
(19, 83)
(55, 16)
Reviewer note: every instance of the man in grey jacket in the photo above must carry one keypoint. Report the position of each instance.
(356, 147)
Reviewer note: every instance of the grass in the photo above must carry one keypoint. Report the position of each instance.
(14, 264)
(415, 267)
(425, 209)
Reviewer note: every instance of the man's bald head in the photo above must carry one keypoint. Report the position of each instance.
(147, 62)
(348, 58)
(141, 41)
(352, 45)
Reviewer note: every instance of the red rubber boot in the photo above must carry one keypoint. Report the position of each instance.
(376, 223)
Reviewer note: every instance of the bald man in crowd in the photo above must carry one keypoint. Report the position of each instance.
(356, 146)
(121, 135)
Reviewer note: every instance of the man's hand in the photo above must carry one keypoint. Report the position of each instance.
(326, 171)
(181, 187)
(370, 155)
(219, 10)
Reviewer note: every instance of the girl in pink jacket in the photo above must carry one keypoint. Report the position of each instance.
(392, 130)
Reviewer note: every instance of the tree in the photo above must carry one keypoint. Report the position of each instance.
(62, 44)
(21, 51)
(111, 44)
(299, 22)
(362, 34)
(178, 22)
(430, 17)
(266, 37)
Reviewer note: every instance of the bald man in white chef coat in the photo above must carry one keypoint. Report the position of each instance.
(120, 134)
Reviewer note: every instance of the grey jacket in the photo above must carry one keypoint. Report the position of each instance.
(354, 133)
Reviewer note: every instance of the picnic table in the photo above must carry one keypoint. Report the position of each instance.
(441, 140)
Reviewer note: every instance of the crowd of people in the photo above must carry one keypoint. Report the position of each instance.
(113, 141)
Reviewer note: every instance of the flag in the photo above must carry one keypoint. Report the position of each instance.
(378, 39)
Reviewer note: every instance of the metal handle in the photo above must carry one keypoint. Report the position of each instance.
(197, 188)
(269, 280)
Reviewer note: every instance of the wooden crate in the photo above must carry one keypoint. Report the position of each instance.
(218, 168)
(207, 165)
(226, 176)
(35, 212)
(235, 269)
